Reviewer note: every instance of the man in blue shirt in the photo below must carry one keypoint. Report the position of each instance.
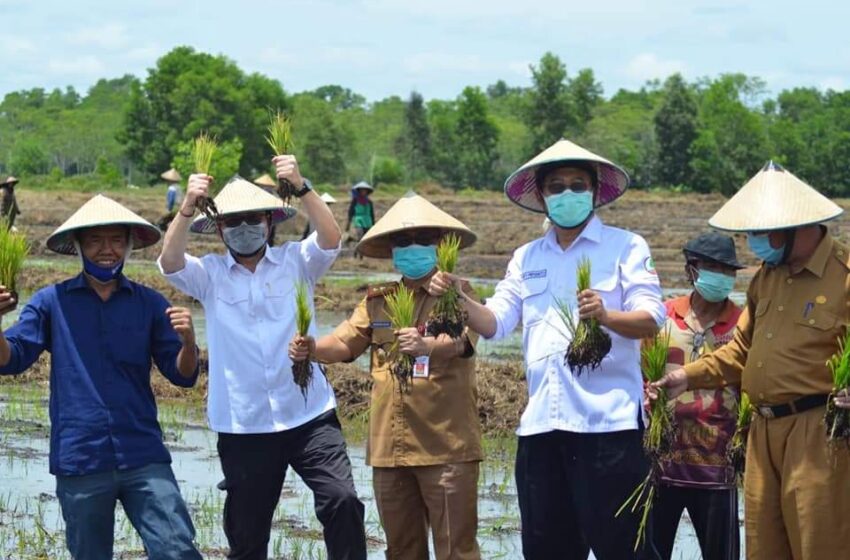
(102, 330)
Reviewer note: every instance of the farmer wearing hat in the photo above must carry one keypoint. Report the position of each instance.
(264, 422)
(308, 229)
(102, 330)
(424, 442)
(796, 491)
(9, 209)
(269, 185)
(698, 477)
(173, 194)
(361, 211)
(580, 452)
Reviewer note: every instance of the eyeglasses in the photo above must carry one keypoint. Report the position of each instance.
(239, 219)
(419, 238)
(557, 187)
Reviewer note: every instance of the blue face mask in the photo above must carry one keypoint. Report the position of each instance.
(415, 261)
(569, 209)
(714, 286)
(760, 246)
(100, 273)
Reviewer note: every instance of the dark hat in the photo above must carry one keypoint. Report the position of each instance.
(713, 247)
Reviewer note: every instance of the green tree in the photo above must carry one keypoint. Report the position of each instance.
(28, 158)
(415, 140)
(445, 164)
(675, 132)
(586, 94)
(477, 139)
(225, 161)
(550, 110)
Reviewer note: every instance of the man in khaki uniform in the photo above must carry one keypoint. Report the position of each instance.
(425, 439)
(796, 488)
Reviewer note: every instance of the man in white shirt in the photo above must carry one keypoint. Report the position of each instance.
(264, 422)
(580, 452)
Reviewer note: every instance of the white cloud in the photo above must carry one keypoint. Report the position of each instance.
(82, 66)
(15, 45)
(107, 36)
(647, 66)
(837, 83)
(273, 55)
(147, 53)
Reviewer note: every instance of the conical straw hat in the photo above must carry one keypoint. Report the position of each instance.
(171, 175)
(9, 181)
(265, 180)
(102, 211)
(327, 198)
(410, 212)
(362, 185)
(238, 196)
(774, 199)
(521, 186)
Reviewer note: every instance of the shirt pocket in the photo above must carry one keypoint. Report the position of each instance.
(382, 341)
(280, 299)
(129, 342)
(819, 320)
(232, 298)
(536, 300)
(606, 282)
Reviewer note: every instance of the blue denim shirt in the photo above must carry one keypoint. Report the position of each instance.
(102, 408)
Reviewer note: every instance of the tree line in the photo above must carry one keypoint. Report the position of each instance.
(708, 135)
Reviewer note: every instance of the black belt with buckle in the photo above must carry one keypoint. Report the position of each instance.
(794, 407)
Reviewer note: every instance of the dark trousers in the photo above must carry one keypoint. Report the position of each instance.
(714, 514)
(254, 468)
(570, 486)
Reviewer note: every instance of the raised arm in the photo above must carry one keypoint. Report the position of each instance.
(172, 259)
(318, 213)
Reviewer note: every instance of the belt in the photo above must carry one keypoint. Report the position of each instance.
(794, 407)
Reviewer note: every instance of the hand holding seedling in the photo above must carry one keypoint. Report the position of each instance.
(441, 282)
(181, 320)
(591, 306)
(301, 348)
(842, 399)
(410, 342)
(286, 167)
(7, 301)
(198, 187)
(674, 382)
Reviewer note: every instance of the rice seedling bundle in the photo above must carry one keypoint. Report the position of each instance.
(280, 140)
(657, 437)
(837, 420)
(737, 452)
(589, 343)
(14, 249)
(447, 317)
(302, 372)
(203, 150)
(400, 309)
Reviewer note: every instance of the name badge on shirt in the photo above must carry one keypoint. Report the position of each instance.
(420, 367)
(380, 324)
(528, 275)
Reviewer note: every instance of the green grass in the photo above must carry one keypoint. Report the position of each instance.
(839, 364)
(203, 151)
(303, 314)
(13, 252)
(280, 134)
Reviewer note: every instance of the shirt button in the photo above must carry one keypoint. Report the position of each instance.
(840, 253)
(781, 308)
(769, 335)
(759, 364)
(761, 396)
(789, 281)
(811, 321)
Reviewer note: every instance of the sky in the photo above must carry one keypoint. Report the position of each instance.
(437, 47)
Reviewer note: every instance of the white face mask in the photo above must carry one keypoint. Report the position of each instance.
(245, 240)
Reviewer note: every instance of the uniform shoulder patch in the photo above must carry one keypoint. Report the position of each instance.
(841, 252)
(381, 290)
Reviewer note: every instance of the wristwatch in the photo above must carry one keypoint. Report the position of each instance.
(307, 187)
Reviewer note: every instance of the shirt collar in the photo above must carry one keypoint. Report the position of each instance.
(592, 232)
(817, 262)
(682, 306)
(78, 282)
(268, 255)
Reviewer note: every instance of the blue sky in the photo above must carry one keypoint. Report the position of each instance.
(384, 47)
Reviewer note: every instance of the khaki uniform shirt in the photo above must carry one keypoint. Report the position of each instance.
(437, 421)
(787, 332)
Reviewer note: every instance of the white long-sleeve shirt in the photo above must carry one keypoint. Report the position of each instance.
(606, 399)
(250, 320)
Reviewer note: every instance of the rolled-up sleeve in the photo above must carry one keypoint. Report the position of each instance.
(506, 303)
(29, 336)
(641, 288)
(193, 279)
(316, 260)
(356, 331)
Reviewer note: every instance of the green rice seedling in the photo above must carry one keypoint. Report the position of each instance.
(203, 150)
(280, 140)
(737, 451)
(302, 371)
(400, 309)
(448, 316)
(658, 436)
(837, 420)
(14, 249)
(589, 343)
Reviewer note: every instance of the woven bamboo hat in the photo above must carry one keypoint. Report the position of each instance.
(410, 212)
(102, 211)
(265, 180)
(327, 198)
(239, 196)
(521, 186)
(9, 181)
(362, 185)
(774, 199)
(172, 175)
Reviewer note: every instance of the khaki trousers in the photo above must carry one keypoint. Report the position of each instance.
(796, 490)
(442, 497)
